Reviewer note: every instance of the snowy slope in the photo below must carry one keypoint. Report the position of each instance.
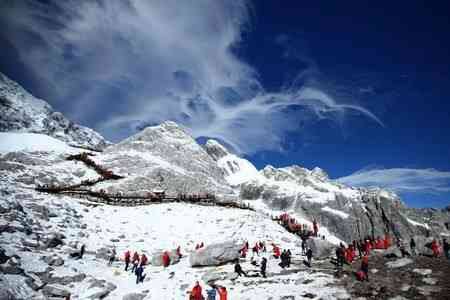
(22, 112)
(11, 142)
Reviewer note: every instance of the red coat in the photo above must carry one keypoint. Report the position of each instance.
(127, 255)
(223, 294)
(435, 248)
(166, 259)
(197, 292)
(143, 260)
(135, 257)
(276, 251)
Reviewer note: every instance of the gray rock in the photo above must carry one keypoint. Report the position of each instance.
(392, 252)
(133, 296)
(53, 291)
(54, 240)
(53, 260)
(321, 248)
(215, 254)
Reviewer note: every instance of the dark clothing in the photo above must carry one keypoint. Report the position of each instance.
(238, 270)
(446, 248)
(263, 267)
(309, 256)
(139, 274)
(82, 252)
(135, 266)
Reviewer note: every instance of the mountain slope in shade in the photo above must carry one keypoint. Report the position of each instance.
(22, 112)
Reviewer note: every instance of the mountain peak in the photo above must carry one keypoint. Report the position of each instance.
(215, 149)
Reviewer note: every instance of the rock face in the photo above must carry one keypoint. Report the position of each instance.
(20, 111)
(216, 254)
(321, 248)
(164, 157)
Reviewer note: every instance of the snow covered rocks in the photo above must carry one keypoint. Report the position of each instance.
(320, 248)
(215, 254)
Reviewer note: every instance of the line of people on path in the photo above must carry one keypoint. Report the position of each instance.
(197, 292)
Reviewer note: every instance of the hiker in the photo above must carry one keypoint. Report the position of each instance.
(262, 246)
(253, 261)
(166, 259)
(144, 260)
(363, 273)
(112, 257)
(127, 257)
(288, 258)
(82, 251)
(135, 261)
(340, 256)
(244, 250)
(303, 246)
(446, 247)
(196, 293)
(255, 249)
(238, 269)
(315, 227)
(435, 248)
(412, 245)
(283, 263)
(263, 267)
(360, 248)
(179, 252)
(140, 276)
(276, 251)
(222, 293)
(309, 254)
(367, 247)
(211, 293)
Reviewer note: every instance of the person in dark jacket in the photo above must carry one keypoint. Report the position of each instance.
(446, 247)
(140, 276)
(263, 267)
(238, 269)
(309, 254)
(412, 245)
(82, 251)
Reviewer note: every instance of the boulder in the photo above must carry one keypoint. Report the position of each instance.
(215, 254)
(54, 240)
(321, 248)
(53, 260)
(133, 296)
(392, 252)
(54, 291)
(158, 255)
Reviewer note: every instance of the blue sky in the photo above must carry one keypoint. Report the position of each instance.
(360, 89)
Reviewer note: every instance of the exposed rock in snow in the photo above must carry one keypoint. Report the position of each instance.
(321, 248)
(399, 263)
(21, 112)
(215, 254)
(423, 272)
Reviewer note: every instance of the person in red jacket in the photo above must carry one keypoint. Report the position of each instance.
(368, 247)
(276, 251)
(223, 294)
(196, 293)
(127, 257)
(144, 260)
(166, 259)
(135, 261)
(435, 248)
(315, 227)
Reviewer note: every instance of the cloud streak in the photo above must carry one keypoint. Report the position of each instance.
(429, 181)
(119, 65)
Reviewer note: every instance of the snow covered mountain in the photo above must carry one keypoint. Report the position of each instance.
(22, 112)
(342, 211)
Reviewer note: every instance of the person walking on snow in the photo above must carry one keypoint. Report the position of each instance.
(140, 276)
(144, 260)
(412, 245)
(196, 293)
(263, 267)
(135, 261)
(211, 293)
(309, 254)
(166, 259)
(112, 257)
(435, 248)
(127, 257)
(179, 252)
(223, 294)
(315, 227)
(238, 269)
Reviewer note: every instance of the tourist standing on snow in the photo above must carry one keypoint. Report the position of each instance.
(140, 276)
(144, 260)
(309, 254)
(263, 267)
(196, 293)
(315, 227)
(135, 261)
(127, 257)
(238, 269)
(446, 247)
(223, 294)
(211, 293)
(412, 245)
(112, 257)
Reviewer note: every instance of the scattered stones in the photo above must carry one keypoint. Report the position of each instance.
(307, 295)
(54, 291)
(53, 260)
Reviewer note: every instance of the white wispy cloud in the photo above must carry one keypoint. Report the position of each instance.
(121, 64)
(402, 180)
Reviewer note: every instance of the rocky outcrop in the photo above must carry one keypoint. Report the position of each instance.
(215, 254)
(20, 111)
